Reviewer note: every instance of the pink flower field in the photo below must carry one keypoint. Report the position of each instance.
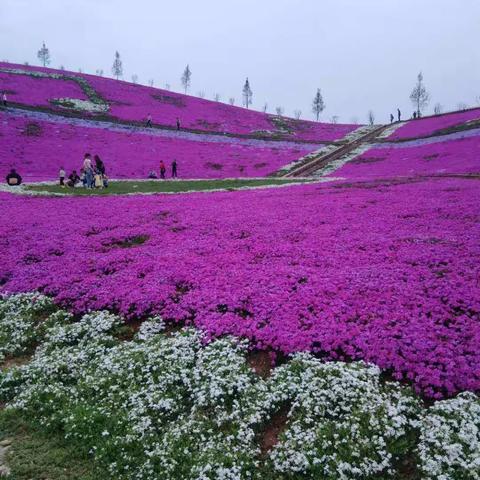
(442, 157)
(133, 102)
(37, 148)
(429, 125)
(37, 91)
(381, 271)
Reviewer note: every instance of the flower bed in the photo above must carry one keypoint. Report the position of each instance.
(152, 405)
(38, 91)
(386, 273)
(443, 157)
(37, 148)
(428, 126)
(133, 102)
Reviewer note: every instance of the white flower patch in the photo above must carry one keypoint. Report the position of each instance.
(82, 105)
(150, 327)
(343, 423)
(449, 445)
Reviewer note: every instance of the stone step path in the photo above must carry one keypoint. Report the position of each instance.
(321, 159)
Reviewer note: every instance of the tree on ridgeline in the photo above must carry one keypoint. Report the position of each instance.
(437, 109)
(217, 97)
(62, 67)
(462, 106)
(134, 78)
(297, 114)
(318, 105)
(186, 78)
(151, 82)
(371, 117)
(80, 70)
(279, 111)
(201, 94)
(99, 72)
(354, 120)
(44, 55)
(419, 96)
(265, 107)
(167, 86)
(231, 101)
(117, 67)
(26, 64)
(334, 119)
(247, 94)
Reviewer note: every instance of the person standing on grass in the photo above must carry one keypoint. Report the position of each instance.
(149, 121)
(61, 176)
(178, 123)
(174, 168)
(4, 99)
(391, 118)
(87, 168)
(399, 114)
(162, 169)
(99, 165)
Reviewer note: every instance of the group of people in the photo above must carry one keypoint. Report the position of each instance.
(163, 170)
(399, 116)
(92, 175)
(148, 122)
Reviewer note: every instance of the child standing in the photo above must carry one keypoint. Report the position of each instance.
(61, 176)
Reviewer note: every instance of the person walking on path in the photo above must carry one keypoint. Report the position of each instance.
(178, 123)
(399, 114)
(4, 99)
(174, 169)
(13, 178)
(392, 118)
(61, 177)
(149, 121)
(162, 169)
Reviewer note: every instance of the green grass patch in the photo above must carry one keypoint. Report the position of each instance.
(164, 186)
(34, 454)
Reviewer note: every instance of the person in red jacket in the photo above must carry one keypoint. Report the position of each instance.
(163, 169)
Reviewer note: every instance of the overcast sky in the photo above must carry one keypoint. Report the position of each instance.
(363, 54)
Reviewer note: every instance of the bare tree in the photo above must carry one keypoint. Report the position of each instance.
(437, 109)
(186, 78)
(419, 96)
(265, 107)
(371, 117)
(117, 67)
(167, 86)
(151, 82)
(134, 78)
(44, 55)
(279, 111)
(354, 120)
(247, 94)
(217, 97)
(334, 119)
(462, 106)
(318, 104)
(297, 114)
(201, 94)
(231, 100)
(99, 72)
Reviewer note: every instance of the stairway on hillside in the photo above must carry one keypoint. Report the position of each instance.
(330, 158)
